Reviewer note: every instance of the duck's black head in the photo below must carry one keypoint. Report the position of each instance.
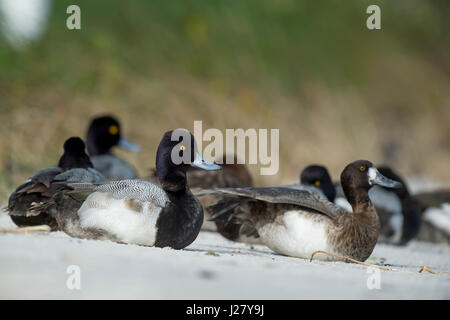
(359, 176)
(177, 151)
(318, 176)
(104, 133)
(74, 155)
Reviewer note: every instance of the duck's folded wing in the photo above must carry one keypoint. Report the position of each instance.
(135, 189)
(283, 195)
(36, 189)
(39, 181)
(318, 192)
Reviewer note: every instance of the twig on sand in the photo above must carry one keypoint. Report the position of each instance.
(32, 229)
(424, 268)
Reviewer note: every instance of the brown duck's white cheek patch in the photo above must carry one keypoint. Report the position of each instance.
(372, 174)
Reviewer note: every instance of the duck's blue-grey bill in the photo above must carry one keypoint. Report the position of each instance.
(375, 177)
(200, 162)
(128, 145)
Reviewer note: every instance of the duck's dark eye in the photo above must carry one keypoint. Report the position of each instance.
(362, 168)
(317, 183)
(113, 130)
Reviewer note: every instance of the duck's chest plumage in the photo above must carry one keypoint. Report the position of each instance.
(179, 223)
(355, 235)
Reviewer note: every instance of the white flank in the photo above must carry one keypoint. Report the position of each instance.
(101, 211)
(439, 217)
(298, 236)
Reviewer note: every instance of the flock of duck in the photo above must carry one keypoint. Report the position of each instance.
(100, 197)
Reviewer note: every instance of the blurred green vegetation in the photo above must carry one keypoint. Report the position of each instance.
(284, 62)
(287, 41)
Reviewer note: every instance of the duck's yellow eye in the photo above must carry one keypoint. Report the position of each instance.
(113, 130)
(182, 148)
(362, 168)
(317, 183)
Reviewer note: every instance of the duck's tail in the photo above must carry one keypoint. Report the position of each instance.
(67, 191)
(230, 213)
(225, 210)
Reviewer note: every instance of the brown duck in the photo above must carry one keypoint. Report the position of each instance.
(297, 222)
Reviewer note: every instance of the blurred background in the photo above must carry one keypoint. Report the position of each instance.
(336, 90)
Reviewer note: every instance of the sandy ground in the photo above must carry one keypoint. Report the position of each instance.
(37, 266)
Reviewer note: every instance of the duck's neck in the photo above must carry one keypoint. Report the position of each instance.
(359, 199)
(358, 232)
(96, 149)
(173, 182)
(71, 161)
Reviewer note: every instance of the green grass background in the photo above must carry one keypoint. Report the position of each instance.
(337, 91)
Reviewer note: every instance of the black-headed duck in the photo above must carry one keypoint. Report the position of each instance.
(74, 166)
(298, 223)
(138, 211)
(104, 133)
(318, 176)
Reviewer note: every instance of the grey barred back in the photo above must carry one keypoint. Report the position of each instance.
(136, 189)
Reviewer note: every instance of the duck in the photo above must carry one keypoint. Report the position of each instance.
(74, 166)
(399, 212)
(435, 206)
(134, 211)
(297, 223)
(103, 134)
(317, 177)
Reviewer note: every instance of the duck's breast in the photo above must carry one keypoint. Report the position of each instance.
(127, 220)
(296, 233)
